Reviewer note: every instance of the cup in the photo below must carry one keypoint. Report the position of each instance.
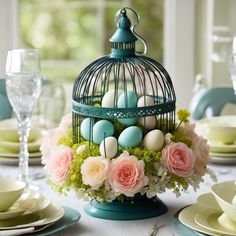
(10, 192)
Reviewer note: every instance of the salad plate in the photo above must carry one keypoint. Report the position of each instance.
(15, 161)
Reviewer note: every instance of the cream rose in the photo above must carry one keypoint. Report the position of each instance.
(94, 171)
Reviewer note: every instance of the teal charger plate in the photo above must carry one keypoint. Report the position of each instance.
(139, 207)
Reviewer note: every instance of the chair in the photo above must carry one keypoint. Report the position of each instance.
(5, 106)
(213, 98)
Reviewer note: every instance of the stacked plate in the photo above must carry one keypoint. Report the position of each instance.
(34, 212)
(223, 153)
(207, 217)
(221, 133)
(9, 143)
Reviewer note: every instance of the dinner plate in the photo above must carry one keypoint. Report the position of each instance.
(220, 147)
(71, 216)
(187, 215)
(15, 155)
(49, 215)
(210, 222)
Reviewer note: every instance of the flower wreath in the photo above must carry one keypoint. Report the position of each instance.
(181, 162)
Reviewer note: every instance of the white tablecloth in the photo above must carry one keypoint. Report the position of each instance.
(89, 226)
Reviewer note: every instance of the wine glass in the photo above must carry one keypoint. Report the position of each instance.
(23, 84)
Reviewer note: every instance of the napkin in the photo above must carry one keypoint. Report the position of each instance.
(13, 232)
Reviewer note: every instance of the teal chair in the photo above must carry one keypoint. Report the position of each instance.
(213, 98)
(5, 106)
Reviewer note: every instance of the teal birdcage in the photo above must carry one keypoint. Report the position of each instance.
(123, 89)
(121, 72)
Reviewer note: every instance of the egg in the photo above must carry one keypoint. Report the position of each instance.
(145, 101)
(81, 149)
(109, 147)
(127, 99)
(108, 99)
(130, 137)
(101, 130)
(154, 140)
(86, 128)
(148, 122)
(128, 121)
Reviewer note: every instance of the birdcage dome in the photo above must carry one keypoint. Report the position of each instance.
(123, 86)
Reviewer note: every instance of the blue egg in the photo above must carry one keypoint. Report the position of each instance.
(101, 130)
(130, 137)
(86, 128)
(127, 99)
(128, 121)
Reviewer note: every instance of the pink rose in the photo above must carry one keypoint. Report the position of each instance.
(59, 162)
(66, 122)
(50, 140)
(94, 171)
(126, 175)
(201, 151)
(179, 159)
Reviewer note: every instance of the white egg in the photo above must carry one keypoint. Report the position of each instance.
(154, 140)
(109, 98)
(81, 149)
(145, 101)
(108, 147)
(148, 122)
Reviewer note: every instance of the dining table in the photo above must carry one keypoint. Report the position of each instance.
(163, 225)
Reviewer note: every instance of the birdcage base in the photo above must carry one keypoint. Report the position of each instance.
(138, 208)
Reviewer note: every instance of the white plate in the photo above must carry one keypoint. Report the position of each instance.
(220, 147)
(50, 214)
(222, 154)
(209, 221)
(29, 202)
(187, 215)
(15, 161)
(223, 160)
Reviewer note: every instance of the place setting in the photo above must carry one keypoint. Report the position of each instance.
(221, 134)
(24, 211)
(214, 213)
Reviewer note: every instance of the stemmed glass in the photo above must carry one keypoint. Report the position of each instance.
(23, 84)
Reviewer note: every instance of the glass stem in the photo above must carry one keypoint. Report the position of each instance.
(24, 129)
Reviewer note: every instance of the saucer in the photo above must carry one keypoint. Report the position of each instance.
(209, 221)
(187, 215)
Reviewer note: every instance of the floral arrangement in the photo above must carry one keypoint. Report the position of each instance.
(181, 162)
